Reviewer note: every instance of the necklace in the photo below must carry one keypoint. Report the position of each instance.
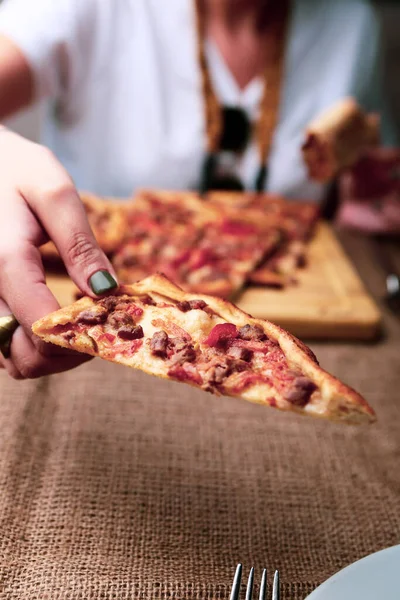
(219, 119)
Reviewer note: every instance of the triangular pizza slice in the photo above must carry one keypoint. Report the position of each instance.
(204, 341)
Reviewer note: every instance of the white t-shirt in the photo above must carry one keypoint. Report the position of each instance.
(123, 87)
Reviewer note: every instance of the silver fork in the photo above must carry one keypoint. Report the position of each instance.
(235, 592)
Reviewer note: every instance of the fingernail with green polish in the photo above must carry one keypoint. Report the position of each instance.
(102, 282)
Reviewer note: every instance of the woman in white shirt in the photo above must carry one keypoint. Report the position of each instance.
(139, 93)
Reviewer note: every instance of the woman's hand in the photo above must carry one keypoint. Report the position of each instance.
(38, 201)
(370, 193)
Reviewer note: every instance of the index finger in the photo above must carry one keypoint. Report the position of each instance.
(63, 216)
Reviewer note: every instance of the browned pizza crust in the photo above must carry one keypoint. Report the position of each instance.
(266, 276)
(338, 138)
(331, 399)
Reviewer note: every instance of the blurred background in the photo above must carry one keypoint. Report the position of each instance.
(28, 123)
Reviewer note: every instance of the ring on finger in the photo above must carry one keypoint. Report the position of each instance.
(8, 325)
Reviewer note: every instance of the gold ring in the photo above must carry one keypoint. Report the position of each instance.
(8, 325)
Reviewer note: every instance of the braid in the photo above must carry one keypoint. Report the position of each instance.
(213, 112)
(275, 40)
(273, 76)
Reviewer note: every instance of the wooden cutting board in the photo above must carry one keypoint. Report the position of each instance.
(328, 302)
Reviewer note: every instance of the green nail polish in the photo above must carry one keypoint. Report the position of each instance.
(102, 282)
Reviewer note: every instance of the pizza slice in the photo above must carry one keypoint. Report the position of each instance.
(206, 342)
(338, 138)
(298, 221)
(294, 221)
(201, 247)
(297, 217)
(229, 250)
(162, 227)
(144, 254)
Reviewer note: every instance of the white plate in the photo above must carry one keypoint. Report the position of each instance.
(375, 577)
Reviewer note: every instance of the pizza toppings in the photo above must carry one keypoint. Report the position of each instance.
(241, 353)
(109, 302)
(217, 374)
(238, 228)
(177, 350)
(159, 344)
(148, 300)
(252, 332)
(93, 343)
(68, 336)
(300, 391)
(186, 305)
(172, 329)
(132, 308)
(111, 318)
(119, 318)
(221, 334)
(93, 316)
(107, 337)
(246, 379)
(218, 369)
(124, 348)
(197, 304)
(130, 332)
(62, 328)
(265, 347)
(118, 303)
(202, 257)
(185, 354)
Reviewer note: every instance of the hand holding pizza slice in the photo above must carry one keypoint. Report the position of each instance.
(206, 342)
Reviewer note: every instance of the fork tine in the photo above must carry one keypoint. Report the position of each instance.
(263, 585)
(276, 594)
(249, 589)
(236, 583)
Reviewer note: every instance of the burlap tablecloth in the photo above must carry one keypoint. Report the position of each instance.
(115, 485)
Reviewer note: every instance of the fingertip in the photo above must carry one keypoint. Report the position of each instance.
(102, 282)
